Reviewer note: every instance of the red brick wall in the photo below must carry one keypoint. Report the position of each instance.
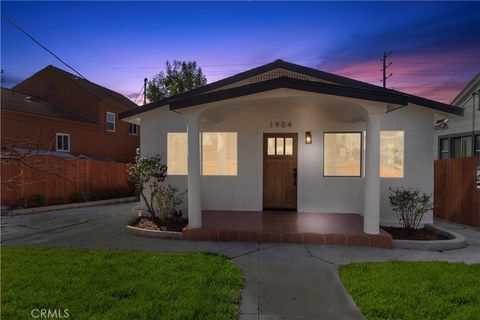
(52, 85)
(88, 139)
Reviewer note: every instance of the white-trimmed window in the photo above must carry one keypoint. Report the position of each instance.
(62, 141)
(219, 153)
(110, 121)
(132, 129)
(444, 148)
(177, 153)
(342, 154)
(391, 154)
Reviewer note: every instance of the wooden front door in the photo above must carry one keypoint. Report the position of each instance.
(280, 171)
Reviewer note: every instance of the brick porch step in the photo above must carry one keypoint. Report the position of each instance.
(382, 240)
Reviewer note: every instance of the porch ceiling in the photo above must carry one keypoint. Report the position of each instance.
(286, 101)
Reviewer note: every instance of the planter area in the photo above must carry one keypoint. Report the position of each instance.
(429, 238)
(144, 226)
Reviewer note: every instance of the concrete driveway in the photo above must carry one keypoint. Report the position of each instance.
(283, 281)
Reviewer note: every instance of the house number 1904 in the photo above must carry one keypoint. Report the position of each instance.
(280, 124)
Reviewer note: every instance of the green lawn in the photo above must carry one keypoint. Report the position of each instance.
(97, 284)
(414, 290)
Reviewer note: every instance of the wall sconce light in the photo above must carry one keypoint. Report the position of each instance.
(308, 137)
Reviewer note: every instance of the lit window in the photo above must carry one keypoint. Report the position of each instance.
(111, 121)
(63, 142)
(342, 154)
(177, 153)
(271, 146)
(279, 146)
(288, 146)
(219, 153)
(132, 129)
(391, 154)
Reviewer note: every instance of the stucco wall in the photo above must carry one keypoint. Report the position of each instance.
(315, 192)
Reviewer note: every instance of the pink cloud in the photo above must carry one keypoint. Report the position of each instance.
(437, 76)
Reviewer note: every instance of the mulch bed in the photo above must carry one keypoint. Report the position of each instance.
(418, 234)
(148, 224)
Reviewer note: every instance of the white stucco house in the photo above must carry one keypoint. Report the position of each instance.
(288, 137)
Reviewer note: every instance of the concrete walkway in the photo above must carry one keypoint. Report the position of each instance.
(282, 281)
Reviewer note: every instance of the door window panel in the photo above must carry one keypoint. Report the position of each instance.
(271, 146)
(279, 146)
(288, 146)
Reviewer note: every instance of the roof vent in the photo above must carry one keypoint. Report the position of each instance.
(277, 74)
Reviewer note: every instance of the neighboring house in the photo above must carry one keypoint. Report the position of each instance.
(460, 136)
(287, 137)
(56, 111)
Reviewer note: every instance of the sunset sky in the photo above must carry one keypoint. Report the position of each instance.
(436, 46)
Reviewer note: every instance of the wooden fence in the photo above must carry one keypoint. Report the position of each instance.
(59, 179)
(457, 197)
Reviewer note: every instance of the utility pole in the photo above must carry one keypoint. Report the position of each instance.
(145, 91)
(384, 68)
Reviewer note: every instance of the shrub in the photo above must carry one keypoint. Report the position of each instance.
(80, 197)
(113, 195)
(94, 197)
(410, 205)
(148, 172)
(20, 203)
(61, 200)
(104, 196)
(40, 199)
(168, 199)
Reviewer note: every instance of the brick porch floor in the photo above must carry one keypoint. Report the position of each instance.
(270, 226)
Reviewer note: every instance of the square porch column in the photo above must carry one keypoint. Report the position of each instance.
(193, 192)
(371, 211)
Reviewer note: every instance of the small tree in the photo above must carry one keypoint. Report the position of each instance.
(180, 76)
(148, 172)
(410, 205)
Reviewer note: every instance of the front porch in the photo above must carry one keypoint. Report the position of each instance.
(281, 226)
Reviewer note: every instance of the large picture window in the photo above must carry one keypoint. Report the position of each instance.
(219, 153)
(391, 154)
(177, 153)
(342, 154)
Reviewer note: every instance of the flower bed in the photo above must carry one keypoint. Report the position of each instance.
(415, 234)
(149, 224)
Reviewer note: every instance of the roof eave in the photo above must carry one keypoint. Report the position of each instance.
(288, 83)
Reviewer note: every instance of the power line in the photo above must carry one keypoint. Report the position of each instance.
(41, 45)
(138, 94)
